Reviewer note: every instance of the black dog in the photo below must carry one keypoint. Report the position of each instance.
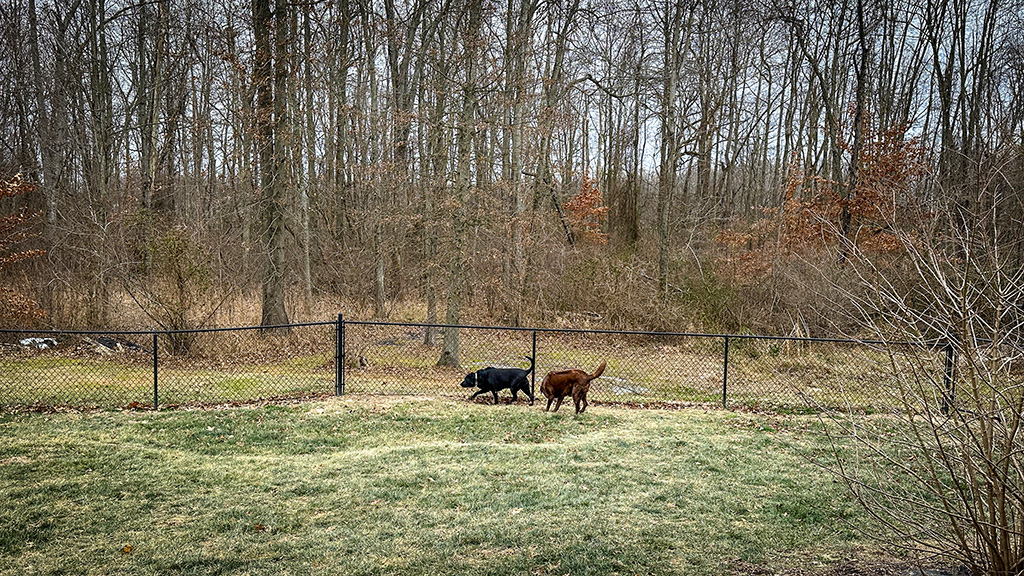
(492, 379)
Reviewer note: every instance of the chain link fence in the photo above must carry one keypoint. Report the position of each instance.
(170, 368)
(648, 368)
(167, 368)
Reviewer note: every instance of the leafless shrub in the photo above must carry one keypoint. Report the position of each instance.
(945, 469)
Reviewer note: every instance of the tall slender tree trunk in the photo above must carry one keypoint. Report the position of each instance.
(464, 144)
(47, 151)
(861, 80)
(519, 31)
(669, 136)
(553, 88)
(307, 187)
(433, 170)
(270, 74)
(99, 163)
(151, 85)
(339, 87)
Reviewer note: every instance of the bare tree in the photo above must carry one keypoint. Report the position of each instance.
(560, 23)
(672, 23)
(470, 43)
(270, 73)
(519, 21)
(321, 141)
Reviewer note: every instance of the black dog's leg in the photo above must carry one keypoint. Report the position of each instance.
(521, 385)
(525, 387)
(495, 392)
(477, 393)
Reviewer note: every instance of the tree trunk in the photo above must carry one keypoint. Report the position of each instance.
(669, 137)
(47, 152)
(861, 93)
(519, 31)
(433, 172)
(553, 89)
(99, 162)
(269, 74)
(464, 143)
(307, 191)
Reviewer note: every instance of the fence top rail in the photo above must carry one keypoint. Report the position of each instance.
(159, 332)
(637, 333)
(927, 343)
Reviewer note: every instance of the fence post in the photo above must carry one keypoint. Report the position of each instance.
(725, 374)
(533, 375)
(339, 356)
(156, 376)
(948, 381)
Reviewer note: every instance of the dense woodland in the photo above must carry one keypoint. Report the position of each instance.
(673, 165)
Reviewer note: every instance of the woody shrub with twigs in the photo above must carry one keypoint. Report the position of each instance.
(944, 469)
(172, 284)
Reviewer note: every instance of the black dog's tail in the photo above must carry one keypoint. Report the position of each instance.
(530, 369)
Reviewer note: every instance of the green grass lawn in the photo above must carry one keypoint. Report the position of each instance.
(359, 485)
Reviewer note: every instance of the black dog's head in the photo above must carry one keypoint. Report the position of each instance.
(478, 378)
(470, 380)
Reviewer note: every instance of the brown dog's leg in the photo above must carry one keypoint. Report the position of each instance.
(559, 403)
(549, 404)
(579, 398)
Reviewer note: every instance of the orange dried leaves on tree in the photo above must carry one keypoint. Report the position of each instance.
(15, 307)
(586, 211)
(780, 232)
(890, 165)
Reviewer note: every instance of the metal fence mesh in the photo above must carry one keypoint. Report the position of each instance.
(241, 365)
(84, 370)
(105, 369)
(389, 359)
(238, 366)
(640, 368)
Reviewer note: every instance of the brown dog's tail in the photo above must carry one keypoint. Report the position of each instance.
(600, 370)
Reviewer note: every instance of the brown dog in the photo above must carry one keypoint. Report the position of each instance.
(564, 382)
